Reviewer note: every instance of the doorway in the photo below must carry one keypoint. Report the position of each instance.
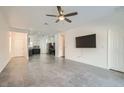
(116, 50)
(60, 45)
(18, 44)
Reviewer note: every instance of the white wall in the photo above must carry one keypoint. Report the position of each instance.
(59, 45)
(43, 44)
(19, 44)
(35, 40)
(4, 43)
(93, 56)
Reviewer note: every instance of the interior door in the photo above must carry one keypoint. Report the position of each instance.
(116, 50)
(19, 44)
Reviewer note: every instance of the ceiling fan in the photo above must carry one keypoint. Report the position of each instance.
(62, 16)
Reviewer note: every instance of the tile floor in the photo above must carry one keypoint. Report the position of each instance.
(48, 71)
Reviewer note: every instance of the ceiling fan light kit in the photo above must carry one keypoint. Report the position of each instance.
(62, 16)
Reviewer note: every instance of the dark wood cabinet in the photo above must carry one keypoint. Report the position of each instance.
(33, 51)
(36, 51)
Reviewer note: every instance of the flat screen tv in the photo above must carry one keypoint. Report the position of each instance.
(88, 41)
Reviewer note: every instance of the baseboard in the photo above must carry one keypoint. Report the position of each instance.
(4, 65)
(117, 71)
(87, 63)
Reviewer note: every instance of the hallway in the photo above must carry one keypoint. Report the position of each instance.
(48, 71)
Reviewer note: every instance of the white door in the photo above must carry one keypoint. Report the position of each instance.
(116, 50)
(19, 44)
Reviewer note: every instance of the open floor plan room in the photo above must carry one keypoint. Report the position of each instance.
(61, 46)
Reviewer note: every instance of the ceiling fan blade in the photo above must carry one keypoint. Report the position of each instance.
(71, 14)
(57, 20)
(52, 15)
(68, 20)
(59, 10)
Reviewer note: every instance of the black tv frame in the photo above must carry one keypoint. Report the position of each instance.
(87, 41)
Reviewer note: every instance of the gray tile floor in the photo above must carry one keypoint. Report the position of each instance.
(48, 71)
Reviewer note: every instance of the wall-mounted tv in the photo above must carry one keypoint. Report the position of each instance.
(88, 41)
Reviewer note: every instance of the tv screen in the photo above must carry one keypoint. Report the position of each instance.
(88, 41)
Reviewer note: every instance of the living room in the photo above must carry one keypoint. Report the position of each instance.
(82, 50)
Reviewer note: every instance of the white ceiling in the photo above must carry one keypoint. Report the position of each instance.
(32, 18)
